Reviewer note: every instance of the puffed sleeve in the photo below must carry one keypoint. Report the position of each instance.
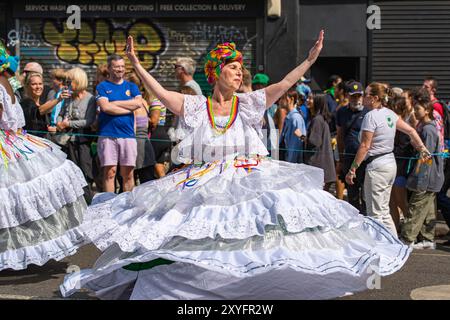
(252, 106)
(12, 117)
(194, 110)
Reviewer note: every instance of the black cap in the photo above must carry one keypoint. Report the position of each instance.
(354, 87)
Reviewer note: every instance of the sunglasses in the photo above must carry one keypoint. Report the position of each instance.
(177, 66)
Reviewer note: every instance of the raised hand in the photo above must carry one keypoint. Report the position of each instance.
(315, 50)
(129, 51)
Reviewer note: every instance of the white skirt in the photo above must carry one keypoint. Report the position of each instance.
(234, 230)
(41, 202)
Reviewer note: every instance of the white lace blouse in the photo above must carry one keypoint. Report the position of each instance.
(200, 143)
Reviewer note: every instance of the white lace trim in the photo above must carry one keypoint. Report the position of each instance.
(237, 221)
(56, 249)
(42, 196)
(369, 240)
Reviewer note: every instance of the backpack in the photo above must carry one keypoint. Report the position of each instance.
(446, 119)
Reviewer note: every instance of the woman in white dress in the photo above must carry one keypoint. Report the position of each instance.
(41, 193)
(232, 224)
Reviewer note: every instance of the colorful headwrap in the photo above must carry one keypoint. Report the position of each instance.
(4, 63)
(217, 57)
(13, 63)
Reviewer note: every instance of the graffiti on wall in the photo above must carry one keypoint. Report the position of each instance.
(158, 43)
(96, 40)
(198, 38)
(23, 37)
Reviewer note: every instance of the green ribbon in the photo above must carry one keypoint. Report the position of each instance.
(138, 266)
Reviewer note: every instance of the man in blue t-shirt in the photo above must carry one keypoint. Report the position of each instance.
(293, 132)
(117, 99)
(349, 119)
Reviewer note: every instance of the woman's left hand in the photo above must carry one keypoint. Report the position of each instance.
(315, 51)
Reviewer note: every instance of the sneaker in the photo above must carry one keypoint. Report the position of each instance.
(429, 244)
(417, 246)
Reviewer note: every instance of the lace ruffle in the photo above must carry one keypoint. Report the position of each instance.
(56, 249)
(237, 221)
(34, 232)
(42, 196)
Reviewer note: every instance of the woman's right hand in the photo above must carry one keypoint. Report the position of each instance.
(129, 50)
(351, 174)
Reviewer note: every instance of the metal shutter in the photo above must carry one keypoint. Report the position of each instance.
(413, 42)
(161, 41)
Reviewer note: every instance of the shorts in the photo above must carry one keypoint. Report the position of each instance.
(400, 182)
(114, 151)
(161, 144)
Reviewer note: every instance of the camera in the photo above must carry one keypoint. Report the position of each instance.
(67, 82)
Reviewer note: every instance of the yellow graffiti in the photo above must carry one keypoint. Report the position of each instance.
(92, 44)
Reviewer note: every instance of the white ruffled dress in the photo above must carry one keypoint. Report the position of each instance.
(232, 228)
(41, 195)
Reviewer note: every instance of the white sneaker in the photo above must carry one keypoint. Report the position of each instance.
(418, 246)
(429, 245)
(424, 245)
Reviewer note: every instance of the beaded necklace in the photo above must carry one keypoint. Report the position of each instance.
(218, 130)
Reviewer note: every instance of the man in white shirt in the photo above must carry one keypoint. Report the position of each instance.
(184, 71)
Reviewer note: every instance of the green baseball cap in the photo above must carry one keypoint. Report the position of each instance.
(261, 78)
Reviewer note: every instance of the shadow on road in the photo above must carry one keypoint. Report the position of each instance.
(442, 248)
(76, 296)
(33, 274)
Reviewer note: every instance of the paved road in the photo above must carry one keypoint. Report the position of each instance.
(424, 268)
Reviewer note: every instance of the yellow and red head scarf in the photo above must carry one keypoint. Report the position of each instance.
(217, 57)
